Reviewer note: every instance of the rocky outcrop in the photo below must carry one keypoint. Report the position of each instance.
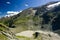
(4, 30)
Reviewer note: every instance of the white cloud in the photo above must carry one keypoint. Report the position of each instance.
(26, 5)
(12, 13)
(8, 2)
(21, 11)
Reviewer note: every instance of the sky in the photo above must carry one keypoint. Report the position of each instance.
(16, 6)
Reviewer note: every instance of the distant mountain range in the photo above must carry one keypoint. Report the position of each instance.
(46, 18)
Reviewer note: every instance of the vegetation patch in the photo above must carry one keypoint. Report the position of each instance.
(23, 37)
(2, 37)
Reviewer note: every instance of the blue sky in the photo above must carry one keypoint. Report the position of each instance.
(18, 5)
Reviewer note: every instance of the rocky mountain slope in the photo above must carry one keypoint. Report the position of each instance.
(6, 34)
(41, 35)
(45, 18)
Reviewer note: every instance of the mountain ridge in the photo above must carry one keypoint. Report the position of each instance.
(37, 18)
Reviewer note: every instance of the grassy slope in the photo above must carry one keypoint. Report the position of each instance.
(27, 38)
(2, 37)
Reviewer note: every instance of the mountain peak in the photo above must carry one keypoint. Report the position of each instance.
(53, 5)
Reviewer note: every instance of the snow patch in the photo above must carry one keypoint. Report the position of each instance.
(30, 33)
(53, 5)
(25, 33)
